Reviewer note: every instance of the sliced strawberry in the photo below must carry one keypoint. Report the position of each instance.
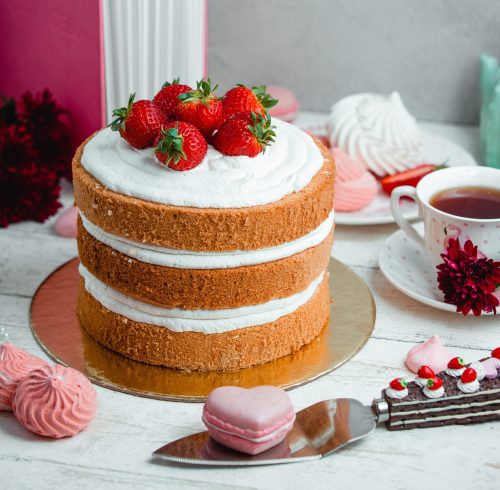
(434, 383)
(398, 384)
(408, 177)
(167, 98)
(426, 372)
(469, 375)
(202, 108)
(180, 146)
(496, 353)
(244, 99)
(244, 134)
(456, 363)
(139, 123)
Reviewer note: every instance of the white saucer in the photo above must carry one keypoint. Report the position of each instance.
(404, 263)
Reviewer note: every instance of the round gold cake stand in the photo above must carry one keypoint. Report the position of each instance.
(55, 326)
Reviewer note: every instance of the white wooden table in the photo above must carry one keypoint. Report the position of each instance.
(114, 452)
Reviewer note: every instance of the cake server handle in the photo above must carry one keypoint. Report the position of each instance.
(380, 409)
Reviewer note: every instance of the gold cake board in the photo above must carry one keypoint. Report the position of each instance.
(55, 326)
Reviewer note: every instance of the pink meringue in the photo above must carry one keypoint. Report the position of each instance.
(55, 401)
(15, 365)
(430, 353)
(355, 187)
(66, 223)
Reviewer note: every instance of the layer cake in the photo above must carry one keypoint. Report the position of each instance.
(219, 267)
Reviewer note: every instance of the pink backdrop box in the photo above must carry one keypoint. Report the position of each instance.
(64, 45)
(55, 44)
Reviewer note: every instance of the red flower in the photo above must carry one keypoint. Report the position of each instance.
(35, 152)
(44, 122)
(468, 281)
(27, 190)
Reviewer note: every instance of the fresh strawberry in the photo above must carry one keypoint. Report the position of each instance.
(166, 99)
(180, 146)
(201, 107)
(243, 99)
(456, 363)
(469, 375)
(425, 372)
(408, 177)
(245, 133)
(139, 123)
(496, 353)
(434, 383)
(398, 384)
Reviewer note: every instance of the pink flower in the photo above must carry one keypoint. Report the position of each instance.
(468, 282)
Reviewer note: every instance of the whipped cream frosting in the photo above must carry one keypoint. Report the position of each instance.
(433, 393)
(421, 381)
(478, 367)
(376, 130)
(205, 321)
(396, 394)
(456, 373)
(471, 387)
(220, 181)
(185, 259)
(257, 440)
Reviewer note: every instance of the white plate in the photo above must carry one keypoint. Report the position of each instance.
(435, 149)
(404, 263)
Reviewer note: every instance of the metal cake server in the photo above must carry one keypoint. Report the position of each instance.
(319, 430)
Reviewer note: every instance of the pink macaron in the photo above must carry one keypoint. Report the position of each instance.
(355, 186)
(287, 107)
(248, 420)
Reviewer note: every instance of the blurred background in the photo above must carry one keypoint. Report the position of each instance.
(92, 53)
(428, 50)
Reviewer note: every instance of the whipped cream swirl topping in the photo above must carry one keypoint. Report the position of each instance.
(396, 394)
(456, 373)
(470, 387)
(479, 368)
(205, 321)
(437, 393)
(421, 381)
(185, 259)
(376, 130)
(220, 181)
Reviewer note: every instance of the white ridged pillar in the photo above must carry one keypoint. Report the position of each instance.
(147, 42)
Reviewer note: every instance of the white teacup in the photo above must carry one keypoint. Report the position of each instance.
(439, 226)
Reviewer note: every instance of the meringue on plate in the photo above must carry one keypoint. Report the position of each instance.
(377, 130)
(355, 187)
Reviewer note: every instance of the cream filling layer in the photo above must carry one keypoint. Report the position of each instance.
(446, 417)
(220, 181)
(186, 259)
(204, 321)
(453, 397)
(462, 407)
(255, 440)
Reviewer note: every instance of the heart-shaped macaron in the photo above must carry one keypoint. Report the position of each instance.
(248, 420)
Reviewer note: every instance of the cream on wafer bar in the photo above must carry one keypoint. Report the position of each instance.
(446, 399)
